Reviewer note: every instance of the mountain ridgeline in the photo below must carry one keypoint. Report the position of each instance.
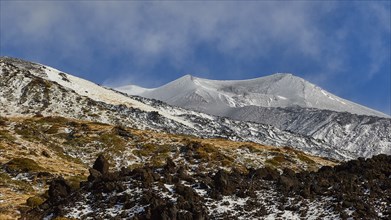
(278, 90)
(286, 102)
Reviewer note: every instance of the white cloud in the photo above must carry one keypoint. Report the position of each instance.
(149, 32)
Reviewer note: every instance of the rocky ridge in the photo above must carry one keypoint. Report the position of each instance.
(356, 189)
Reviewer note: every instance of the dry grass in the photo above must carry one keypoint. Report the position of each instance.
(46, 134)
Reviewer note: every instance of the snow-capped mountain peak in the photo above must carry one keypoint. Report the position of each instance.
(287, 102)
(277, 90)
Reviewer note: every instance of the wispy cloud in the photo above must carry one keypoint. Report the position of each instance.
(149, 31)
(320, 39)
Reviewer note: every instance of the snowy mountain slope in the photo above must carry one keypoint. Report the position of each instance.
(358, 133)
(98, 93)
(29, 89)
(289, 99)
(278, 90)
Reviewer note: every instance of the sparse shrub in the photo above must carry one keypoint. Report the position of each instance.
(201, 154)
(4, 135)
(158, 161)
(74, 181)
(53, 129)
(18, 185)
(110, 139)
(38, 115)
(77, 141)
(276, 160)
(24, 131)
(208, 153)
(251, 148)
(304, 158)
(225, 162)
(3, 121)
(34, 201)
(20, 165)
(45, 154)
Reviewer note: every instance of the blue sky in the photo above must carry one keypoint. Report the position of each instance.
(344, 47)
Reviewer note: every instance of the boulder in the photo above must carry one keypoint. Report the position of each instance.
(170, 166)
(94, 175)
(223, 184)
(101, 164)
(59, 189)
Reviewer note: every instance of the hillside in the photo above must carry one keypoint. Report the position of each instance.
(28, 89)
(36, 150)
(286, 102)
(70, 148)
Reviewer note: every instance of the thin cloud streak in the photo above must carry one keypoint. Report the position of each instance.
(152, 35)
(151, 30)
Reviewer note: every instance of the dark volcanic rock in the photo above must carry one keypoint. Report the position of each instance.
(94, 174)
(170, 166)
(362, 186)
(122, 132)
(101, 165)
(223, 183)
(59, 189)
(266, 173)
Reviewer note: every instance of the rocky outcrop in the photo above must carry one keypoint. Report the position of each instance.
(359, 189)
(101, 165)
(59, 189)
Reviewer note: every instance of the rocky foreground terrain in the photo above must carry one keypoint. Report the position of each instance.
(45, 174)
(358, 189)
(36, 150)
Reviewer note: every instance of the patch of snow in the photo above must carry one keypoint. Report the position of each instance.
(170, 188)
(100, 93)
(49, 217)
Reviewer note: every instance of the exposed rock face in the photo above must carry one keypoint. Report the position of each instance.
(94, 174)
(353, 185)
(59, 189)
(224, 184)
(122, 132)
(170, 166)
(101, 165)
(359, 189)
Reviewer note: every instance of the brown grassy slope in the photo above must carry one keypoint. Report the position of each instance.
(35, 150)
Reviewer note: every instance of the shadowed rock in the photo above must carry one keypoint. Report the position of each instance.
(170, 166)
(59, 189)
(101, 164)
(223, 183)
(94, 174)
